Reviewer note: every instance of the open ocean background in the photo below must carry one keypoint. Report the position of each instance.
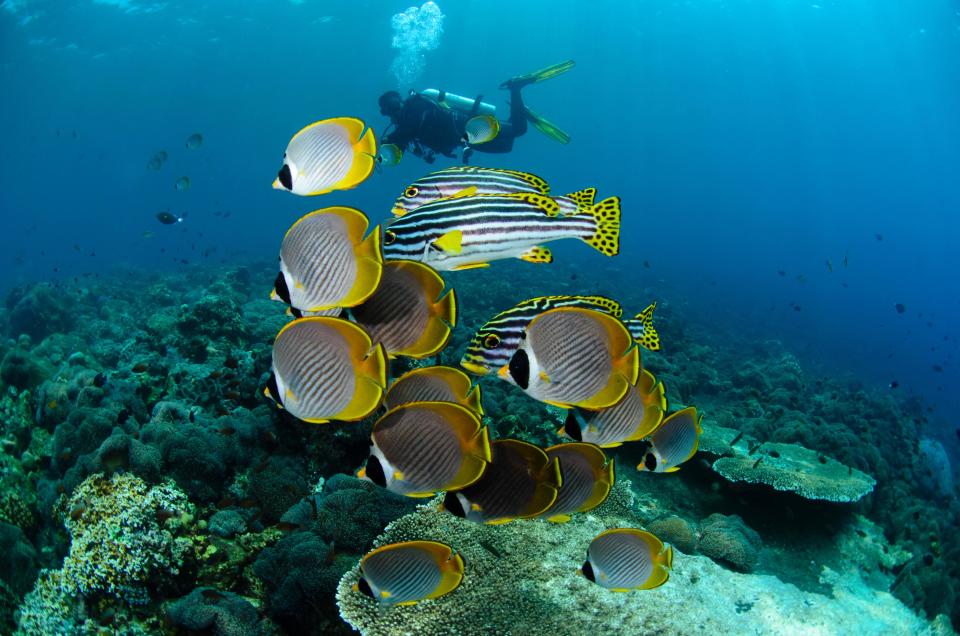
(745, 138)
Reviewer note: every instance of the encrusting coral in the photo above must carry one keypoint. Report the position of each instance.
(120, 541)
(521, 578)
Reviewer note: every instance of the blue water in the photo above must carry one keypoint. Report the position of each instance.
(744, 138)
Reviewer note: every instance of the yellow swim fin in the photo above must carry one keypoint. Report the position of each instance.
(546, 127)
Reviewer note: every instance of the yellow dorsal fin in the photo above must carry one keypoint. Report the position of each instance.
(546, 204)
(583, 198)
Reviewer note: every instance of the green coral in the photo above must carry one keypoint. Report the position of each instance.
(119, 539)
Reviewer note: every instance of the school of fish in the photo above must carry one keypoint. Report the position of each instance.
(361, 298)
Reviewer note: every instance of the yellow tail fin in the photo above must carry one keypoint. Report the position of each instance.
(606, 237)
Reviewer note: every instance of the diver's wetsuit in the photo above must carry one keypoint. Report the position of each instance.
(429, 128)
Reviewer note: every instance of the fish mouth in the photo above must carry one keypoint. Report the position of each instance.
(398, 210)
(474, 368)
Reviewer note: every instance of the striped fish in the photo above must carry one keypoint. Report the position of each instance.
(408, 572)
(675, 441)
(520, 482)
(325, 262)
(574, 357)
(434, 384)
(495, 342)
(326, 369)
(409, 313)
(586, 477)
(465, 180)
(470, 231)
(625, 559)
(420, 448)
(328, 155)
(636, 416)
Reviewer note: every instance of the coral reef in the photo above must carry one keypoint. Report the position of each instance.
(729, 541)
(133, 408)
(120, 544)
(534, 565)
(209, 611)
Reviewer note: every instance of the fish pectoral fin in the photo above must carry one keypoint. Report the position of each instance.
(537, 254)
(397, 475)
(466, 192)
(460, 268)
(543, 376)
(672, 469)
(361, 473)
(451, 242)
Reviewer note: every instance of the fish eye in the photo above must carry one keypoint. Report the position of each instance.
(451, 503)
(520, 368)
(364, 587)
(273, 389)
(375, 472)
(280, 286)
(492, 341)
(650, 461)
(411, 192)
(587, 570)
(389, 237)
(572, 428)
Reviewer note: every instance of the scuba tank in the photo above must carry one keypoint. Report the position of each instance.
(470, 106)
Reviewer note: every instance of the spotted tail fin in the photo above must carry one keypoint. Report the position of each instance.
(606, 236)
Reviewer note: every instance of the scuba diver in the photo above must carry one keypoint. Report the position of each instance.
(435, 122)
